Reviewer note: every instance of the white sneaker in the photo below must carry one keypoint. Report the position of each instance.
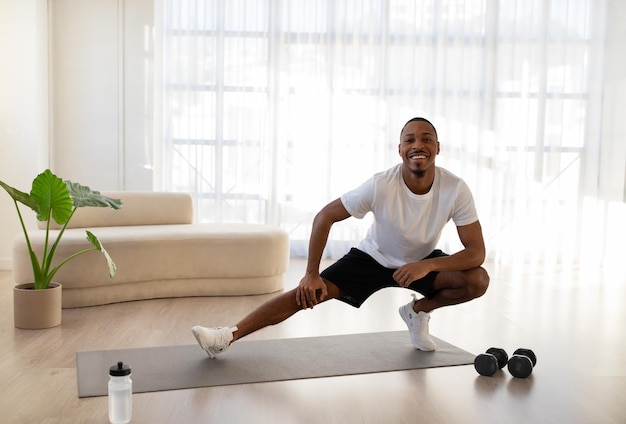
(213, 340)
(418, 326)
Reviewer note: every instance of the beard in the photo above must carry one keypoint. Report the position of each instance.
(419, 173)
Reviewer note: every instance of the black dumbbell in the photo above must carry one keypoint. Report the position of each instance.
(522, 363)
(493, 360)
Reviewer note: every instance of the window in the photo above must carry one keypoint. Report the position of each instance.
(272, 108)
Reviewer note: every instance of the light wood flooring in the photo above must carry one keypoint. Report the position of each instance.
(571, 316)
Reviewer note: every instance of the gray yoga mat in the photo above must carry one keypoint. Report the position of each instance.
(188, 366)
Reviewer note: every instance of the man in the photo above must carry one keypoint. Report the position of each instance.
(411, 203)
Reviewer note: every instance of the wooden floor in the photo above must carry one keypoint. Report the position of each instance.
(572, 317)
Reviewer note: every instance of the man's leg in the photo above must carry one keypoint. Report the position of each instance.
(453, 288)
(216, 340)
(276, 310)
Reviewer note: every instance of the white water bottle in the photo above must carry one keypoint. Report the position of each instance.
(120, 394)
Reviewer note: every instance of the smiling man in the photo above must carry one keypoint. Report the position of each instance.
(411, 203)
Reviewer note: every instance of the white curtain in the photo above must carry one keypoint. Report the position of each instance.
(272, 108)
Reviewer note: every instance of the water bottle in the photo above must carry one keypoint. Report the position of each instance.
(120, 394)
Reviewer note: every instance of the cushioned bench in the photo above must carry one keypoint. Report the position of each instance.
(160, 252)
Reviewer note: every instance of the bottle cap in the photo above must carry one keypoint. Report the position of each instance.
(119, 370)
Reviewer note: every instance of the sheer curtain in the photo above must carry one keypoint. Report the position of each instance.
(272, 108)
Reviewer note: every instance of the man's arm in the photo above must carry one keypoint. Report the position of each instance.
(306, 293)
(471, 256)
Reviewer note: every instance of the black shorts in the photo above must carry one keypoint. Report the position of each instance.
(358, 275)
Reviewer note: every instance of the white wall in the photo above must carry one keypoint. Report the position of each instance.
(101, 79)
(612, 161)
(23, 106)
(76, 97)
(85, 79)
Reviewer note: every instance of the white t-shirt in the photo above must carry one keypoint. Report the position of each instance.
(407, 226)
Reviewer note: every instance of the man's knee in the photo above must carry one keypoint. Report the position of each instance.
(477, 281)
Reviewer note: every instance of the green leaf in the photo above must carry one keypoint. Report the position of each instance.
(94, 240)
(21, 197)
(52, 196)
(84, 196)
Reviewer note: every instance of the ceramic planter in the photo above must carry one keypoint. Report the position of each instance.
(35, 309)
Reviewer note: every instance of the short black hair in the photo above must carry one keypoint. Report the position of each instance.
(419, 119)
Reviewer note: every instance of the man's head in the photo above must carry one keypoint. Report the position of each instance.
(418, 119)
(418, 147)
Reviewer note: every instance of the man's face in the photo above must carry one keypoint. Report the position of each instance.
(418, 147)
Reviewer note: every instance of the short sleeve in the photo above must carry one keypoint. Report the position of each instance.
(464, 210)
(358, 202)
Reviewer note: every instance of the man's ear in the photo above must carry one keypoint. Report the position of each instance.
(438, 147)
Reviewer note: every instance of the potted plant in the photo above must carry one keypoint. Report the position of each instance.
(51, 198)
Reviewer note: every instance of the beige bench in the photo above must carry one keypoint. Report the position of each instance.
(160, 253)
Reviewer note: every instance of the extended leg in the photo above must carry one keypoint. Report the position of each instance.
(275, 310)
(272, 312)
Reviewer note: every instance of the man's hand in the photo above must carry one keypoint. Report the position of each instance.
(471, 256)
(408, 273)
(306, 293)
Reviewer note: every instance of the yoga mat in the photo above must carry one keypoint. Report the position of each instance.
(188, 366)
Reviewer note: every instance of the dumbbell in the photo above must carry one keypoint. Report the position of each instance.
(522, 363)
(491, 361)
